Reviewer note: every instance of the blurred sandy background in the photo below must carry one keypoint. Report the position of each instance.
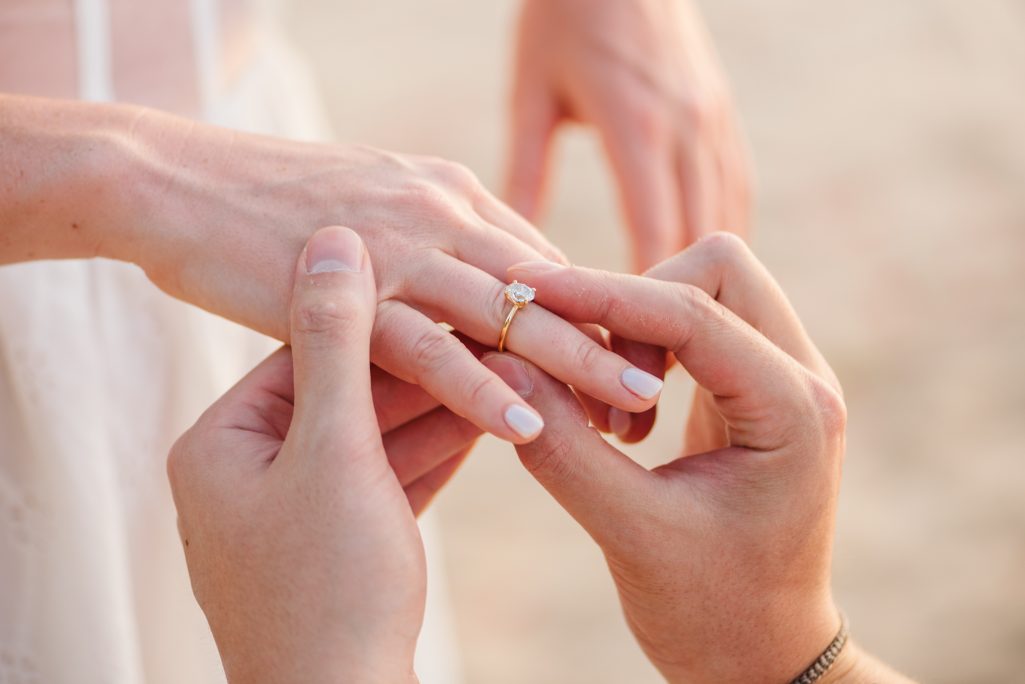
(889, 140)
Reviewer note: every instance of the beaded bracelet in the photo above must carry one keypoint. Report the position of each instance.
(828, 657)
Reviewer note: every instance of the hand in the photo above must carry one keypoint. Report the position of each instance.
(227, 213)
(296, 514)
(645, 75)
(721, 558)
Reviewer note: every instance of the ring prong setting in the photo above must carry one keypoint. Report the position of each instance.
(519, 294)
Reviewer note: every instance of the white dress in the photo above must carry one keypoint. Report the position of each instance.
(99, 374)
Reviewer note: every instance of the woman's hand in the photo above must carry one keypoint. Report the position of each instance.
(721, 557)
(236, 209)
(217, 217)
(296, 514)
(645, 74)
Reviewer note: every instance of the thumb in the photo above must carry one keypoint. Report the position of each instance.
(534, 118)
(596, 483)
(333, 305)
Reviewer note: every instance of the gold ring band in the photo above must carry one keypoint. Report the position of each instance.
(519, 295)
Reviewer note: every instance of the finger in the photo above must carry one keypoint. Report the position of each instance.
(415, 349)
(597, 411)
(699, 190)
(738, 184)
(533, 121)
(643, 163)
(422, 491)
(397, 402)
(498, 214)
(724, 267)
(597, 484)
(421, 445)
(333, 303)
(550, 342)
(633, 427)
(495, 250)
(729, 186)
(757, 386)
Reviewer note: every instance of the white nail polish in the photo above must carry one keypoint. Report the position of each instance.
(526, 423)
(620, 421)
(644, 385)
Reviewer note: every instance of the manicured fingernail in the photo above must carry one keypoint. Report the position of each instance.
(536, 267)
(334, 249)
(523, 421)
(644, 385)
(620, 421)
(511, 370)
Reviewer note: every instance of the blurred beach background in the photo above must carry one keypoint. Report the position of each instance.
(889, 143)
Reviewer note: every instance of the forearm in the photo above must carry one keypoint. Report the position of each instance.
(83, 180)
(64, 179)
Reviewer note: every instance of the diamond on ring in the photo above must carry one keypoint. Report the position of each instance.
(519, 294)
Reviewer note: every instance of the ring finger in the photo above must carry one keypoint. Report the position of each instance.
(536, 334)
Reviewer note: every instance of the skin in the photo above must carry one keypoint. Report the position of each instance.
(296, 512)
(644, 75)
(721, 556)
(296, 500)
(216, 217)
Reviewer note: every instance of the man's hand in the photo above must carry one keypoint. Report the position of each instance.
(645, 75)
(297, 516)
(722, 555)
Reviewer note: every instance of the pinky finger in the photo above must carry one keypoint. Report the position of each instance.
(633, 427)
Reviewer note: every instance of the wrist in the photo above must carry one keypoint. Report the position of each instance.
(855, 666)
(775, 646)
(63, 179)
(216, 223)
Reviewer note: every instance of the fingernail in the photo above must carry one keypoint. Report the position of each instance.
(644, 385)
(334, 249)
(523, 421)
(511, 370)
(620, 421)
(536, 267)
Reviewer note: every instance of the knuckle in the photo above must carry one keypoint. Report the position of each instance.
(723, 253)
(588, 355)
(692, 298)
(603, 300)
(700, 111)
(323, 317)
(649, 121)
(455, 175)
(691, 301)
(549, 459)
(432, 350)
(477, 387)
(830, 407)
(495, 307)
(723, 249)
(421, 198)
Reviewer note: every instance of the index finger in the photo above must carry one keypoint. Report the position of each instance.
(757, 386)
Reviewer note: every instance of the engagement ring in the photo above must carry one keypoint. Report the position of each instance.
(519, 295)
